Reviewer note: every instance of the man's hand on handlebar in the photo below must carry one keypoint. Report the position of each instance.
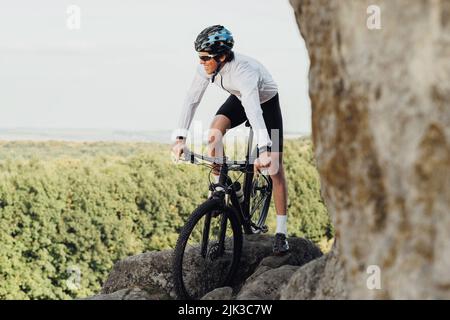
(262, 164)
(177, 149)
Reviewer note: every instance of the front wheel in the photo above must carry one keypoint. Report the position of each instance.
(208, 250)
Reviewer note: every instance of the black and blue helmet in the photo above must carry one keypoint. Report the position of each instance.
(215, 39)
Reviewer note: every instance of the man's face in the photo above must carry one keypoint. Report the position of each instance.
(211, 64)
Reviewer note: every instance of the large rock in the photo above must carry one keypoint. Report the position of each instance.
(381, 132)
(264, 278)
(270, 276)
(257, 252)
(267, 284)
(152, 271)
(321, 279)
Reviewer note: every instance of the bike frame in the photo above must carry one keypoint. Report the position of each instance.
(247, 167)
(228, 194)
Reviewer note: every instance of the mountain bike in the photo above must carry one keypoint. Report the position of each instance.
(209, 246)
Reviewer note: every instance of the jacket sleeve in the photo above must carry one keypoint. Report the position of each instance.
(190, 104)
(247, 83)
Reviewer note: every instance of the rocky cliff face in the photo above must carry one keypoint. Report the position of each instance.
(381, 131)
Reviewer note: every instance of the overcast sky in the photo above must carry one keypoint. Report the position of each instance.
(131, 62)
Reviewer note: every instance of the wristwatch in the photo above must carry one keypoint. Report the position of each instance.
(264, 149)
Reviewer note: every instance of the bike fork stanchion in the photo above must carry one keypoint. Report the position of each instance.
(223, 231)
(248, 178)
(205, 235)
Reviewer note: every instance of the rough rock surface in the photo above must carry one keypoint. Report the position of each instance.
(225, 293)
(381, 131)
(124, 294)
(267, 284)
(321, 279)
(151, 272)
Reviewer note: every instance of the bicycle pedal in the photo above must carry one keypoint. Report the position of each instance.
(264, 229)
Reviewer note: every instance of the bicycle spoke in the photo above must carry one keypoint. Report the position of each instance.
(260, 199)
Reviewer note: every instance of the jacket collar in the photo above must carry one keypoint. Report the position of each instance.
(225, 68)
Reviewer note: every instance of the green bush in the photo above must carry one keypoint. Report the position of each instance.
(69, 206)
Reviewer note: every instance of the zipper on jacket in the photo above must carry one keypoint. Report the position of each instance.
(221, 84)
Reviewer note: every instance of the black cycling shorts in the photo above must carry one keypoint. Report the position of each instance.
(233, 109)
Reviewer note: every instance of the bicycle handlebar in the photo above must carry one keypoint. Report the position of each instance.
(194, 157)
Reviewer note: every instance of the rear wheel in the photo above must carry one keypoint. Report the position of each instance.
(208, 250)
(260, 196)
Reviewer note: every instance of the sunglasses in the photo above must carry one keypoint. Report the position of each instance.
(206, 58)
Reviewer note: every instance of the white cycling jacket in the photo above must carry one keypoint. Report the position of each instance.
(243, 77)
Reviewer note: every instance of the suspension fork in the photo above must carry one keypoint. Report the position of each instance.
(222, 232)
(223, 222)
(248, 180)
(205, 234)
(225, 181)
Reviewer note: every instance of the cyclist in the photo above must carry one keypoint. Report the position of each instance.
(253, 97)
